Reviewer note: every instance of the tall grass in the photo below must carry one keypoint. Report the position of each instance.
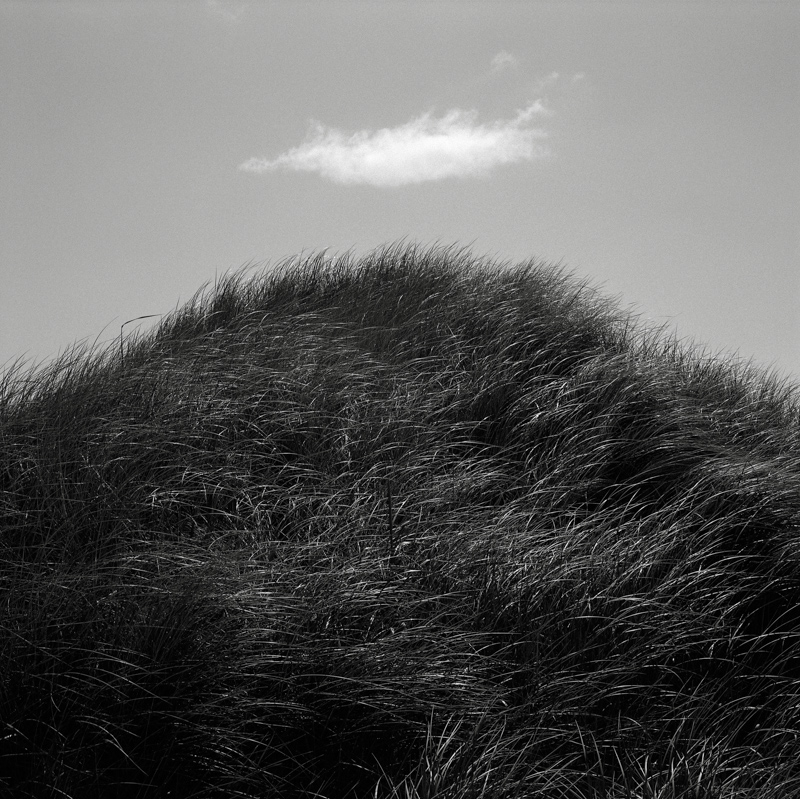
(414, 526)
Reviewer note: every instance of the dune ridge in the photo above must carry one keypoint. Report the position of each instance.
(414, 525)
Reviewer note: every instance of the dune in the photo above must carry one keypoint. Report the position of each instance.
(415, 525)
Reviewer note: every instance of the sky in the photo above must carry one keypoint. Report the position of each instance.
(651, 148)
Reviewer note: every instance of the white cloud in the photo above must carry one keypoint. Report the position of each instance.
(546, 81)
(229, 10)
(503, 60)
(424, 149)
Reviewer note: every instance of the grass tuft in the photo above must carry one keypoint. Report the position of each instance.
(412, 526)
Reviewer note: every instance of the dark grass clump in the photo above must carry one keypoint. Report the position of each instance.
(417, 526)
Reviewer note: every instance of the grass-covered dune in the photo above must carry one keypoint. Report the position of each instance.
(403, 527)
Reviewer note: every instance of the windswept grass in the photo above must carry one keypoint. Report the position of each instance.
(416, 526)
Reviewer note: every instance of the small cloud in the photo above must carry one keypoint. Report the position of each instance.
(578, 76)
(229, 10)
(546, 81)
(503, 60)
(424, 149)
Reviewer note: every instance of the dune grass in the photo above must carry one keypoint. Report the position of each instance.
(414, 526)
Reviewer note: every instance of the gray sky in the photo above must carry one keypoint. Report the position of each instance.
(653, 148)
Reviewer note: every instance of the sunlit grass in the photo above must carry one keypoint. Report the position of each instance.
(411, 526)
